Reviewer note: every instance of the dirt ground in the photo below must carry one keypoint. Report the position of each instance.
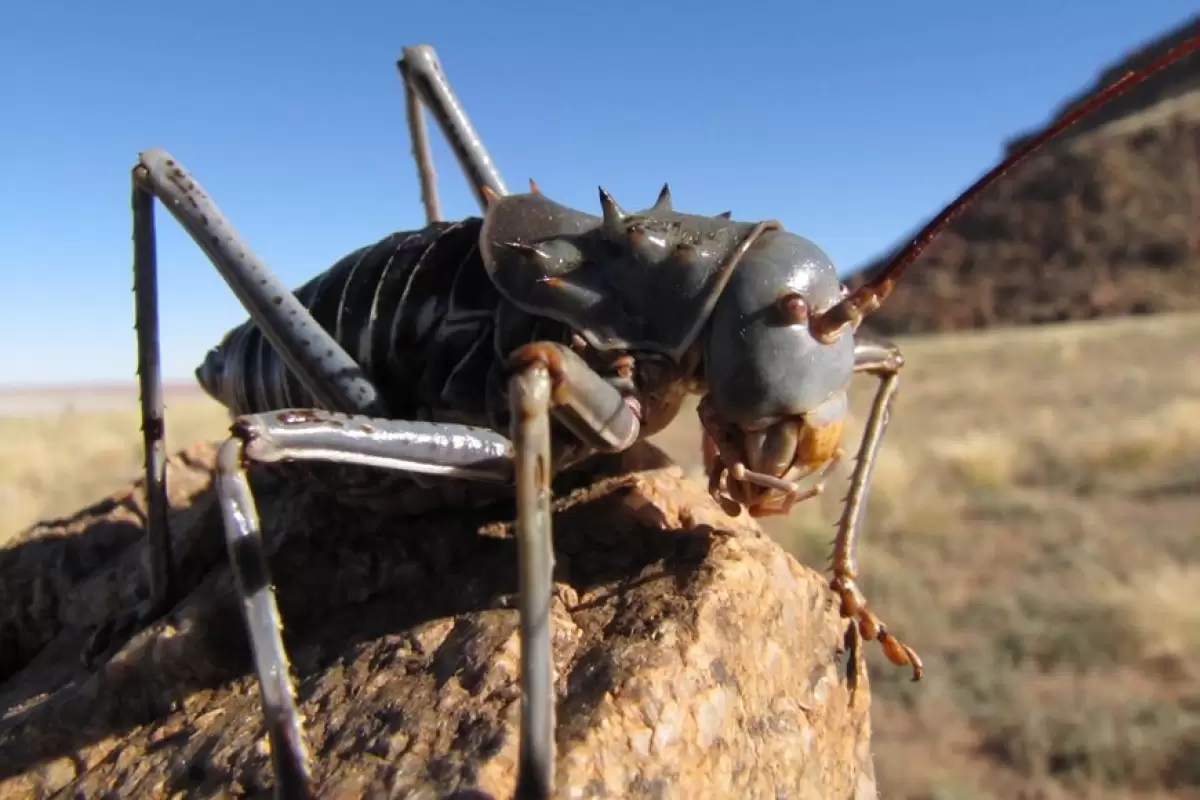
(1034, 532)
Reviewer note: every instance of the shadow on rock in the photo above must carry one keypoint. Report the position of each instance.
(402, 633)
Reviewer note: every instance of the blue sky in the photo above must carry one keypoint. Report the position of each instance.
(849, 122)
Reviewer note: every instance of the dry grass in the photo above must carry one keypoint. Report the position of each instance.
(1034, 531)
(57, 461)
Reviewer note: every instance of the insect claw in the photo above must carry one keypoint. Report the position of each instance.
(489, 195)
(901, 654)
(871, 628)
(725, 214)
(533, 187)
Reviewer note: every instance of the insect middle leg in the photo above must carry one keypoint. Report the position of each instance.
(426, 83)
(547, 380)
(883, 360)
(319, 363)
(292, 434)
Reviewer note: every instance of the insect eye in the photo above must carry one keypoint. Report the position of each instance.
(793, 309)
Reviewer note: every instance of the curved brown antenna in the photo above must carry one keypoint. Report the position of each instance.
(848, 313)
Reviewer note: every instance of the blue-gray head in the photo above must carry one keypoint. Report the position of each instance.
(750, 295)
(776, 403)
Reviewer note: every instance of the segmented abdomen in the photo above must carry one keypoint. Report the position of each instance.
(416, 310)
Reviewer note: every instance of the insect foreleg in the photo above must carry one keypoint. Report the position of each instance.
(883, 360)
(549, 379)
(317, 360)
(530, 391)
(426, 83)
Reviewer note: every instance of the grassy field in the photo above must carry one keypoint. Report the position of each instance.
(64, 449)
(1034, 532)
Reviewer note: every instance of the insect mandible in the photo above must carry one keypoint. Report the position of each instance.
(503, 348)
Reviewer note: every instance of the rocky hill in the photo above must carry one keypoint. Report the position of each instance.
(1104, 221)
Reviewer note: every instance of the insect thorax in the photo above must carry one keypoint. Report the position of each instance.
(419, 313)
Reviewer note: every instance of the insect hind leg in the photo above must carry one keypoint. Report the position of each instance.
(163, 581)
(425, 84)
(321, 365)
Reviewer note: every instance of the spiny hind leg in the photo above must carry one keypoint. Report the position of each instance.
(883, 360)
(425, 84)
(319, 363)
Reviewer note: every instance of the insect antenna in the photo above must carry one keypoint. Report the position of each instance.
(847, 314)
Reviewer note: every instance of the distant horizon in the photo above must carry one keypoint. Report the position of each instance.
(95, 387)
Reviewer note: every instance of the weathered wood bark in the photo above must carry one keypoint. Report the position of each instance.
(694, 657)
